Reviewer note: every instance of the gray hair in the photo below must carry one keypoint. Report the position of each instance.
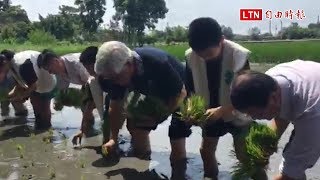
(112, 56)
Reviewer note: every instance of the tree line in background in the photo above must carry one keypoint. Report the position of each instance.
(83, 22)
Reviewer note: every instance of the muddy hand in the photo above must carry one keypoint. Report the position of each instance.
(76, 138)
(109, 147)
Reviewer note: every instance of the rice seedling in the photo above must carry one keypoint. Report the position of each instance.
(193, 109)
(82, 164)
(141, 106)
(104, 151)
(20, 150)
(48, 138)
(52, 174)
(72, 97)
(261, 142)
(19, 147)
(27, 176)
(32, 135)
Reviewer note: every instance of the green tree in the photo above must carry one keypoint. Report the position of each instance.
(18, 31)
(227, 32)
(4, 5)
(91, 13)
(41, 37)
(176, 34)
(254, 33)
(14, 22)
(12, 15)
(57, 25)
(314, 26)
(114, 32)
(136, 15)
(69, 10)
(158, 36)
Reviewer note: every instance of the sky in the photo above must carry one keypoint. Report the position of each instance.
(182, 12)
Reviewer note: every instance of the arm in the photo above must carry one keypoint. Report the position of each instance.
(87, 116)
(279, 125)
(217, 113)
(174, 103)
(30, 78)
(83, 73)
(19, 93)
(302, 150)
(116, 117)
(174, 91)
(283, 177)
(116, 111)
(189, 80)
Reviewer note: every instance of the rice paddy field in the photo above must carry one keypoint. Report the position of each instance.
(262, 52)
(29, 154)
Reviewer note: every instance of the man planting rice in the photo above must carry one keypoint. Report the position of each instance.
(32, 82)
(6, 85)
(68, 69)
(288, 92)
(211, 63)
(147, 71)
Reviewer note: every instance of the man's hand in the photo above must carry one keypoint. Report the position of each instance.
(214, 113)
(77, 138)
(283, 177)
(109, 147)
(20, 93)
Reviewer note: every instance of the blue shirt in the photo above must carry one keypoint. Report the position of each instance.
(159, 75)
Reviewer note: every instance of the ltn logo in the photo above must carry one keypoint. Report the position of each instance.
(250, 14)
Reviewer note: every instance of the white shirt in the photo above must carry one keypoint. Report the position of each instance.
(45, 81)
(76, 72)
(300, 95)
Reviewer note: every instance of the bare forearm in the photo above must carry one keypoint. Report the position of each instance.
(28, 92)
(227, 109)
(116, 118)
(19, 92)
(279, 125)
(283, 177)
(87, 114)
(175, 102)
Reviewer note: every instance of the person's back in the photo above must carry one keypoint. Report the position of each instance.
(76, 72)
(72, 56)
(160, 55)
(304, 82)
(157, 67)
(25, 63)
(21, 57)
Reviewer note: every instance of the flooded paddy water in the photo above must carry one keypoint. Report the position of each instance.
(29, 154)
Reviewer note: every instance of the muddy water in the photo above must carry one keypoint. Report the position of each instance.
(29, 154)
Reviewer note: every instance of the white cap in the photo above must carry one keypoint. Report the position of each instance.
(112, 56)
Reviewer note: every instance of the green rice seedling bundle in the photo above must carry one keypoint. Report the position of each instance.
(193, 109)
(261, 142)
(69, 97)
(104, 151)
(140, 106)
